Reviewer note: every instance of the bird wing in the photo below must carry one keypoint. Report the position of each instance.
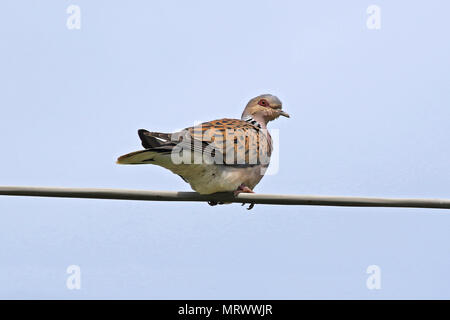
(232, 142)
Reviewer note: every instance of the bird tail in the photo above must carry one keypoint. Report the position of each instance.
(151, 140)
(157, 146)
(137, 157)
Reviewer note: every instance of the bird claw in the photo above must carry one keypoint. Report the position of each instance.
(241, 189)
(215, 203)
(244, 189)
(250, 207)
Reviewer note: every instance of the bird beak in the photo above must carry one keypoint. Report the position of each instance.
(284, 114)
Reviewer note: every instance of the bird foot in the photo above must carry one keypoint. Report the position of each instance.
(215, 203)
(244, 189)
(250, 207)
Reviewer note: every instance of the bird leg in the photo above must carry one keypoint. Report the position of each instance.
(244, 189)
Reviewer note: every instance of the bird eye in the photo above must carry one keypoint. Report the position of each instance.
(263, 103)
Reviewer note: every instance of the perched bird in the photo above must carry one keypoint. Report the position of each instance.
(226, 155)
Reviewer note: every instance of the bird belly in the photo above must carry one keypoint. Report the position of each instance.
(207, 179)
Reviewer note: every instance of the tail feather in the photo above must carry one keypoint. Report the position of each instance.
(153, 139)
(137, 157)
(158, 146)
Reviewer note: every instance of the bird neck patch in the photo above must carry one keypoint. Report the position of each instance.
(252, 121)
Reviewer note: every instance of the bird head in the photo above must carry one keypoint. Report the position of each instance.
(264, 108)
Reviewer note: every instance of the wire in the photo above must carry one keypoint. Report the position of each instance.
(273, 199)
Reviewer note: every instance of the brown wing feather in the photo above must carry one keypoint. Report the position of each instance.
(227, 141)
(239, 142)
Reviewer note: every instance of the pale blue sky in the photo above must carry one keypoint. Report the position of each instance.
(370, 116)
